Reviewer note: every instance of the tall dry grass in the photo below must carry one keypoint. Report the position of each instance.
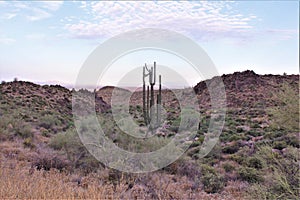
(19, 182)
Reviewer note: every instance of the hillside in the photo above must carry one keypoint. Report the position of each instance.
(39, 145)
(247, 89)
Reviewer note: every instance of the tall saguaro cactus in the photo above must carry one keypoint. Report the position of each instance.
(149, 110)
(145, 109)
(152, 78)
(158, 103)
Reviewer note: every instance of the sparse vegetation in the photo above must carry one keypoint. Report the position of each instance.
(256, 157)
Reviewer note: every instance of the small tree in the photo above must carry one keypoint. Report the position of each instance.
(286, 114)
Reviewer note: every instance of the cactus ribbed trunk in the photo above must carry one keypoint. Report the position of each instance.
(158, 112)
(144, 104)
(148, 120)
(152, 103)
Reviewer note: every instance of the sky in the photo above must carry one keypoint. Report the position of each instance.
(48, 42)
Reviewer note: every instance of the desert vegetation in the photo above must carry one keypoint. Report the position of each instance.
(256, 157)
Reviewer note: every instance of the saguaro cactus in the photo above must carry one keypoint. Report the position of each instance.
(152, 78)
(148, 110)
(144, 97)
(158, 104)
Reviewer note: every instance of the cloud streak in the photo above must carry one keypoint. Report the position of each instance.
(201, 20)
(6, 40)
(32, 11)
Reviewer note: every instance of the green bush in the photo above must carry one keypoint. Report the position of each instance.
(24, 131)
(45, 132)
(279, 145)
(231, 149)
(283, 178)
(254, 162)
(11, 126)
(66, 139)
(211, 180)
(49, 121)
(286, 114)
(28, 143)
(250, 175)
(228, 167)
(212, 183)
(70, 143)
(237, 158)
(292, 140)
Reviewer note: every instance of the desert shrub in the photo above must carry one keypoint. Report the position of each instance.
(212, 183)
(133, 144)
(49, 121)
(24, 131)
(239, 130)
(226, 134)
(284, 178)
(292, 140)
(189, 168)
(279, 145)
(12, 126)
(70, 143)
(231, 149)
(211, 180)
(286, 114)
(28, 143)
(126, 141)
(255, 162)
(5, 133)
(47, 161)
(228, 167)
(45, 132)
(250, 175)
(237, 158)
(254, 133)
(259, 191)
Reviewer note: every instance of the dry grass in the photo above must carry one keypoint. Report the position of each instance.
(18, 182)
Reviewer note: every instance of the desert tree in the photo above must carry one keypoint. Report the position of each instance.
(286, 114)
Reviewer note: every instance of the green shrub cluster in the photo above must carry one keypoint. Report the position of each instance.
(228, 167)
(231, 149)
(11, 127)
(49, 121)
(250, 175)
(286, 114)
(211, 180)
(283, 182)
(70, 143)
(255, 162)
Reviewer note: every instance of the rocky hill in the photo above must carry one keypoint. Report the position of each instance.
(37, 136)
(243, 90)
(247, 89)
